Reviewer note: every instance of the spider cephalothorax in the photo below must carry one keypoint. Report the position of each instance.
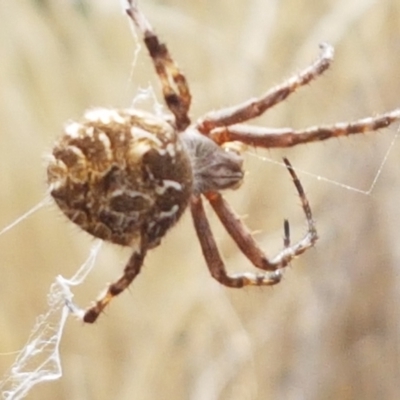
(127, 176)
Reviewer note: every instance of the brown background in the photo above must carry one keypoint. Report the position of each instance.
(331, 330)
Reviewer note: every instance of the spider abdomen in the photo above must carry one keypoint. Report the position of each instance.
(121, 175)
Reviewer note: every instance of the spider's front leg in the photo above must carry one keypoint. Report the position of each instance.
(131, 270)
(255, 107)
(174, 85)
(287, 137)
(246, 242)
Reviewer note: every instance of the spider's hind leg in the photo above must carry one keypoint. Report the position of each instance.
(131, 270)
(174, 85)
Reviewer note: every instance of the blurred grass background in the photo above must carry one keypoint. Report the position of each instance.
(331, 329)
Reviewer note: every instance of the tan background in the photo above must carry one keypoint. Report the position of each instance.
(331, 330)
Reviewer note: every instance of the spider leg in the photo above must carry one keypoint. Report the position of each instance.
(174, 85)
(255, 107)
(288, 137)
(131, 270)
(246, 243)
(214, 260)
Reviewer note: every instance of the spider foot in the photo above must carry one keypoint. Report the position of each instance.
(267, 279)
(286, 234)
(74, 309)
(139, 19)
(91, 314)
(276, 276)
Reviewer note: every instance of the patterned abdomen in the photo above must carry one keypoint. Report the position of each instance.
(121, 175)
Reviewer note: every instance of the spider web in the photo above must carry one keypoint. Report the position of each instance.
(39, 360)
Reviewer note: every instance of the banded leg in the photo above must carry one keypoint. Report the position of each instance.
(288, 137)
(131, 270)
(214, 260)
(255, 107)
(174, 85)
(246, 243)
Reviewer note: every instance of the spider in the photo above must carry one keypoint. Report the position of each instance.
(126, 176)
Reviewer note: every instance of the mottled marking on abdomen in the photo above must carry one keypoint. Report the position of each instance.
(121, 174)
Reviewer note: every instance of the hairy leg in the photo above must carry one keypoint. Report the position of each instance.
(131, 270)
(255, 107)
(246, 243)
(249, 247)
(174, 85)
(214, 260)
(288, 137)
